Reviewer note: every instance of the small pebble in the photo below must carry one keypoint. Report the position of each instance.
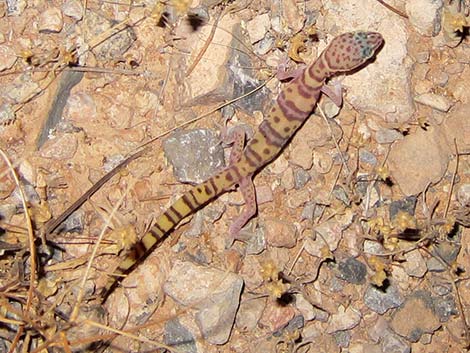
(51, 21)
(454, 69)
(7, 115)
(344, 319)
(394, 343)
(258, 27)
(330, 109)
(7, 57)
(301, 177)
(176, 334)
(422, 57)
(373, 248)
(264, 45)
(15, 7)
(279, 233)
(62, 147)
(434, 101)
(384, 136)
(342, 338)
(367, 157)
(463, 195)
(352, 271)
(415, 265)
(73, 9)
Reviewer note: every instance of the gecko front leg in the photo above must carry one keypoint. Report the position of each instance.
(236, 138)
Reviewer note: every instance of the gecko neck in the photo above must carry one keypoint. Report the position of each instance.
(289, 111)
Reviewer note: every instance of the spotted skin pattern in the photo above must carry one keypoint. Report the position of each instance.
(293, 106)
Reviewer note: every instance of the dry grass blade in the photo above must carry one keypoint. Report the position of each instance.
(81, 292)
(32, 247)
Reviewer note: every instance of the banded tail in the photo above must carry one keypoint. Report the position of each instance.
(293, 106)
(191, 201)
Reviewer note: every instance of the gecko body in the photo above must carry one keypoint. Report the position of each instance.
(292, 107)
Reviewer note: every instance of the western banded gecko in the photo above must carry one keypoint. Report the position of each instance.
(291, 108)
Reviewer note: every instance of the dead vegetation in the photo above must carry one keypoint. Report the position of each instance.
(72, 204)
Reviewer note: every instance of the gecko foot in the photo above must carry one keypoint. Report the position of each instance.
(334, 92)
(284, 74)
(247, 189)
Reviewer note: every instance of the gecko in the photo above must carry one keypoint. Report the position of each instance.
(294, 104)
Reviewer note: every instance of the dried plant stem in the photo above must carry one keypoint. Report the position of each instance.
(32, 247)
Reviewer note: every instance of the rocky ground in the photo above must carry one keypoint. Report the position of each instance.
(361, 242)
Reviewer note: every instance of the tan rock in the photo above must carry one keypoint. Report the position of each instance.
(280, 233)
(419, 159)
(51, 21)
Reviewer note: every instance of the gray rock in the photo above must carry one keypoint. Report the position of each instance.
(352, 271)
(435, 265)
(179, 337)
(249, 314)
(340, 194)
(308, 210)
(392, 343)
(297, 323)
(74, 223)
(415, 265)
(445, 307)
(382, 300)
(195, 155)
(242, 77)
(367, 157)
(408, 205)
(342, 338)
(256, 242)
(301, 177)
(265, 44)
(447, 251)
(113, 46)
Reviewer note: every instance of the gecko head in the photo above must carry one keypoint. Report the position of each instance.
(351, 50)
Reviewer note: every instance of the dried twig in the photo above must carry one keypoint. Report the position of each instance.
(53, 224)
(453, 178)
(391, 8)
(206, 44)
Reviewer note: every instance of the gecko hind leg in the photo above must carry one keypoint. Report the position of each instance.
(247, 189)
